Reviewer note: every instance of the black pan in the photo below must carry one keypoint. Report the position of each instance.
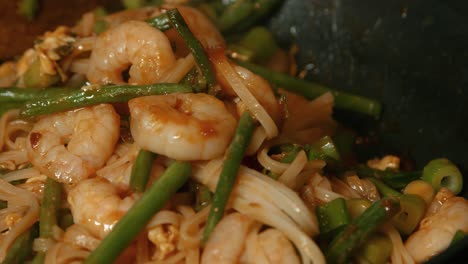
(410, 55)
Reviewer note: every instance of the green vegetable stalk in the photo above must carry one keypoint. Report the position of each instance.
(355, 234)
(228, 175)
(58, 100)
(140, 213)
(141, 170)
(443, 173)
(312, 90)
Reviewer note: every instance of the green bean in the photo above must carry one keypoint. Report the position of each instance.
(70, 99)
(443, 173)
(10, 95)
(395, 179)
(50, 204)
(228, 174)
(356, 233)
(28, 8)
(376, 250)
(312, 90)
(21, 248)
(141, 170)
(332, 215)
(128, 227)
(49, 209)
(3, 204)
(179, 24)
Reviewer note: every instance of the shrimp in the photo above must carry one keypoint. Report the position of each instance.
(71, 146)
(104, 207)
(226, 243)
(133, 44)
(436, 231)
(182, 126)
(277, 247)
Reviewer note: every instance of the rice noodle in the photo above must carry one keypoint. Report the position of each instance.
(80, 66)
(271, 203)
(179, 70)
(17, 197)
(224, 67)
(269, 163)
(258, 137)
(290, 175)
(399, 252)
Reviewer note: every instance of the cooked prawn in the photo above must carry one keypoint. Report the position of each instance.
(104, 207)
(436, 231)
(134, 44)
(70, 146)
(182, 126)
(227, 240)
(278, 249)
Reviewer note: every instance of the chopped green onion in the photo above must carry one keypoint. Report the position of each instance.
(376, 250)
(443, 173)
(332, 215)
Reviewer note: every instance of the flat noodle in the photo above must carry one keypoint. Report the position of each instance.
(181, 68)
(290, 175)
(21, 175)
(222, 65)
(271, 203)
(258, 137)
(269, 163)
(399, 252)
(4, 122)
(17, 197)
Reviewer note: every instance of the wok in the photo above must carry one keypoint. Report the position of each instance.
(410, 55)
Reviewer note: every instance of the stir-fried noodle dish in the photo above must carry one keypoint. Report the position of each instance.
(184, 134)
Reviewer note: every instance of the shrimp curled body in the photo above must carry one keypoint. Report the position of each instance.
(104, 206)
(182, 126)
(436, 231)
(70, 146)
(133, 44)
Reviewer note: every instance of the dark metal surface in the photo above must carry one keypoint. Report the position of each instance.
(411, 55)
